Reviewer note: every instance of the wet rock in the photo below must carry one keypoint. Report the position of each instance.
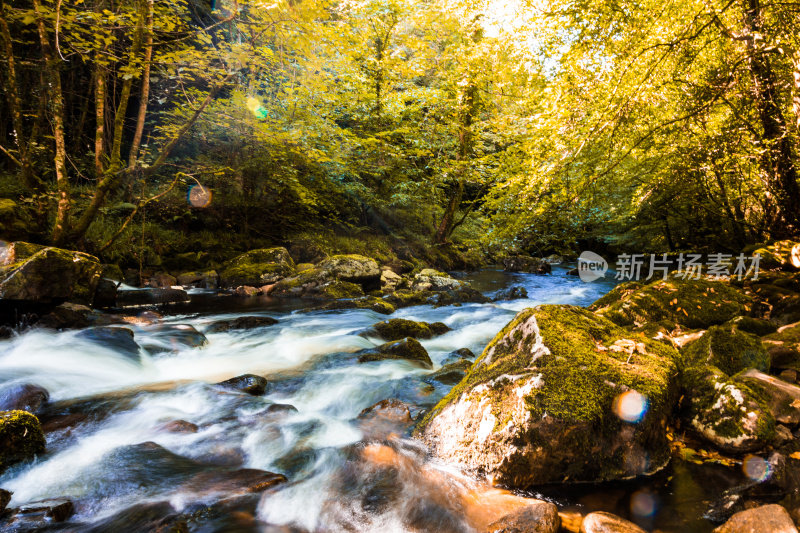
(335, 290)
(399, 328)
(246, 291)
(5, 497)
(105, 295)
(67, 316)
(23, 397)
(280, 408)
(179, 426)
(6, 332)
(783, 347)
(756, 326)
(602, 522)
(691, 303)
(46, 274)
(140, 297)
(173, 338)
(451, 373)
(409, 349)
(151, 517)
(257, 268)
(726, 411)
(511, 293)
(43, 511)
(204, 280)
(22, 438)
(727, 348)
(772, 518)
(539, 517)
(162, 280)
(384, 418)
(573, 272)
(247, 383)
(233, 482)
(558, 397)
(526, 263)
(372, 303)
(457, 355)
(782, 399)
(242, 322)
(117, 339)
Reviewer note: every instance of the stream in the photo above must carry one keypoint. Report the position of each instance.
(127, 430)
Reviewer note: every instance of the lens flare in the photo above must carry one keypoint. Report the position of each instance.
(256, 108)
(630, 406)
(643, 504)
(756, 468)
(199, 196)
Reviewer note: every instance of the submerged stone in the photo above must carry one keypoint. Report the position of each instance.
(242, 322)
(247, 383)
(23, 397)
(560, 395)
(117, 339)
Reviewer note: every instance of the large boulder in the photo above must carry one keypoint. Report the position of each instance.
(692, 303)
(257, 268)
(538, 517)
(46, 274)
(560, 395)
(432, 280)
(23, 397)
(725, 411)
(22, 438)
(777, 255)
(728, 348)
(334, 277)
(783, 347)
(242, 322)
(526, 263)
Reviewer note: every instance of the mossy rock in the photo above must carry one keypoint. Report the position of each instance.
(690, 303)
(370, 302)
(21, 437)
(451, 373)
(756, 326)
(727, 348)
(408, 349)
(257, 267)
(540, 405)
(46, 274)
(725, 411)
(353, 268)
(339, 289)
(783, 347)
(398, 328)
(777, 255)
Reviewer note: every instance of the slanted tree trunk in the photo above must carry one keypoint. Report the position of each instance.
(53, 80)
(777, 161)
(100, 118)
(145, 93)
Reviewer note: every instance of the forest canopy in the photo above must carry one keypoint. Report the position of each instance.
(535, 126)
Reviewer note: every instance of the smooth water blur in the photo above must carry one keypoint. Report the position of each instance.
(304, 426)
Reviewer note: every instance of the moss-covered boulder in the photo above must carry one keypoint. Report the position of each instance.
(783, 347)
(432, 280)
(257, 268)
(208, 279)
(21, 437)
(559, 395)
(45, 274)
(725, 411)
(352, 270)
(463, 294)
(692, 303)
(728, 348)
(408, 349)
(450, 373)
(372, 303)
(399, 328)
(777, 255)
(335, 290)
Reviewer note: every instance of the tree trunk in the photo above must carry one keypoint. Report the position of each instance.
(145, 94)
(53, 79)
(796, 92)
(777, 161)
(100, 119)
(15, 107)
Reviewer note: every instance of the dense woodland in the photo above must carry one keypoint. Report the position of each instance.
(408, 124)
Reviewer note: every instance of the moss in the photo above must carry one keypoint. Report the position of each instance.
(22, 438)
(691, 303)
(727, 348)
(370, 302)
(257, 267)
(408, 349)
(776, 254)
(340, 289)
(756, 326)
(581, 373)
(398, 328)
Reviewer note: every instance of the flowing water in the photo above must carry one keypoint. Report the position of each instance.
(117, 423)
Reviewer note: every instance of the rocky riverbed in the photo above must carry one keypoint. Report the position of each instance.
(346, 395)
